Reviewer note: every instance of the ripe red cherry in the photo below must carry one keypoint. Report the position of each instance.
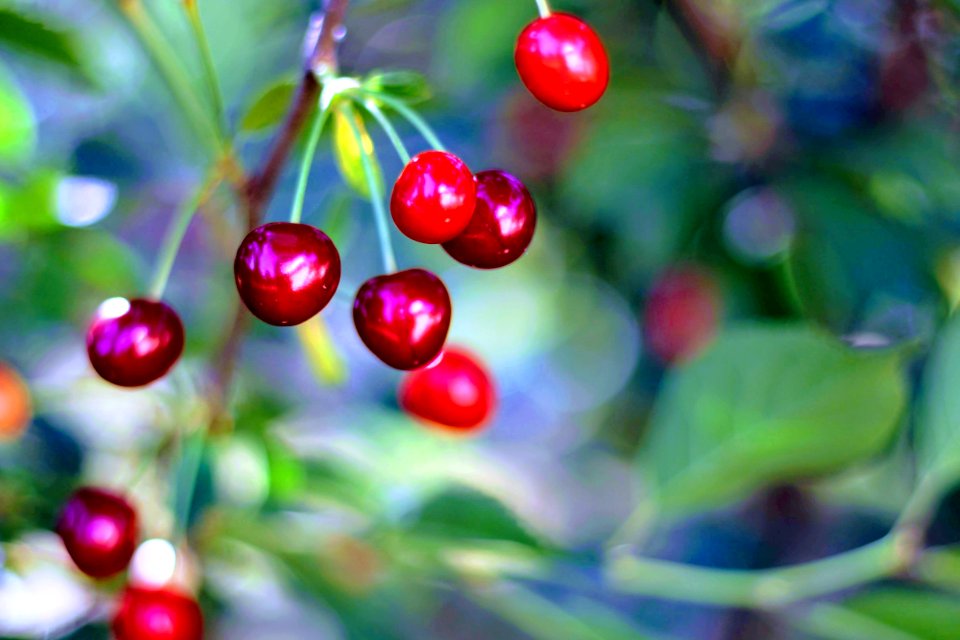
(561, 60)
(682, 313)
(455, 393)
(286, 273)
(99, 530)
(434, 197)
(502, 224)
(403, 318)
(131, 343)
(157, 614)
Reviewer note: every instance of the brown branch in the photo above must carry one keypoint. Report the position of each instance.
(256, 191)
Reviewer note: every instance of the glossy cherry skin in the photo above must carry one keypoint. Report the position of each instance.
(403, 317)
(455, 393)
(132, 343)
(99, 530)
(157, 614)
(502, 224)
(434, 197)
(286, 273)
(562, 61)
(682, 313)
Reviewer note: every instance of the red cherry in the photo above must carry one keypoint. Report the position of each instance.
(561, 60)
(157, 614)
(502, 224)
(682, 313)
(131, 343)
(403, 318)
(455, 393)
(286, 272)
(99, 530)
(434, 197)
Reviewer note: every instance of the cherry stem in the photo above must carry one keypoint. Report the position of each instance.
(176, 232)
(371, 107)
(296, 212)
(409, 114)
(544, 8)
(172, 72)
(206, 59)
(188, 470)
(376, 199)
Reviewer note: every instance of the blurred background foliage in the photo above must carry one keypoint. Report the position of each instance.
(795, 161)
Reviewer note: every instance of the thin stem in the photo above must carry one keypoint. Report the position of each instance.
(544, 8)
(296, 212)
(409, 114)
(388, 128)
(209, 71)
(191, 458)
(176, 232)
(172, 72)
(768, 588)
(376, 199)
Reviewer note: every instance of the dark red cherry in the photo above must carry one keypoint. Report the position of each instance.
(134, 342)
(434, 197)
(682, 312)
(403, 318)
(455, 393)
(502, 224)
(157, 614)
(561, 60)
(286, 272)
(99, 530)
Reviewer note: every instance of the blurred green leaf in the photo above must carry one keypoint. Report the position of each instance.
(408, 85)
(327, 365)
(270, 106)
(922, 614)
(18, 127)
(938, 430)
(349, 152)
(30, 206)
(462, 513)
(30, 35)
(767, 404)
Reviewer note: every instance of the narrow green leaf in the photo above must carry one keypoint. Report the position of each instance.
(938, 430)
(924, 615)
(348, 152)
(270, 106)
(408, 85)
(768, 404)
(327, 365)
(462, 513)
(18, 127)
(30, 35)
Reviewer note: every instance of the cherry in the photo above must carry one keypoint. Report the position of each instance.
(455, 393)
(157, 614)
(403, 317)
(16, 409)
(561, 60)
(502, 224)
(131, 343)
(286, 272)
(99, 529)
(682, 313)
(434, 197)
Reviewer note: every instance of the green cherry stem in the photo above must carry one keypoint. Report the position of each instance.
(206, 59)
(409, 114)
(175, 233)
(376, 199)
(373, 109)
(544, 8)
(296, 211)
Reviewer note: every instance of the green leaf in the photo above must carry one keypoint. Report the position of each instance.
(270, 106)
(18, 127)
(922, 614)
(31, 36)
(767, 404)
(408, 85)
(938, 430)
(325, 361)
(349, 153)
(30, 206)
(462, 513)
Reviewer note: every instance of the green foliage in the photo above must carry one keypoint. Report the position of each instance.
(462, 513)
(18, 128)
(349, 152)
(270, 106)
(32, 36)
(768, 404)
(924, 615)
(407, 85)
(938, 430)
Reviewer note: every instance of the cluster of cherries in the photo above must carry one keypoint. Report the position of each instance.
(100, 532)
